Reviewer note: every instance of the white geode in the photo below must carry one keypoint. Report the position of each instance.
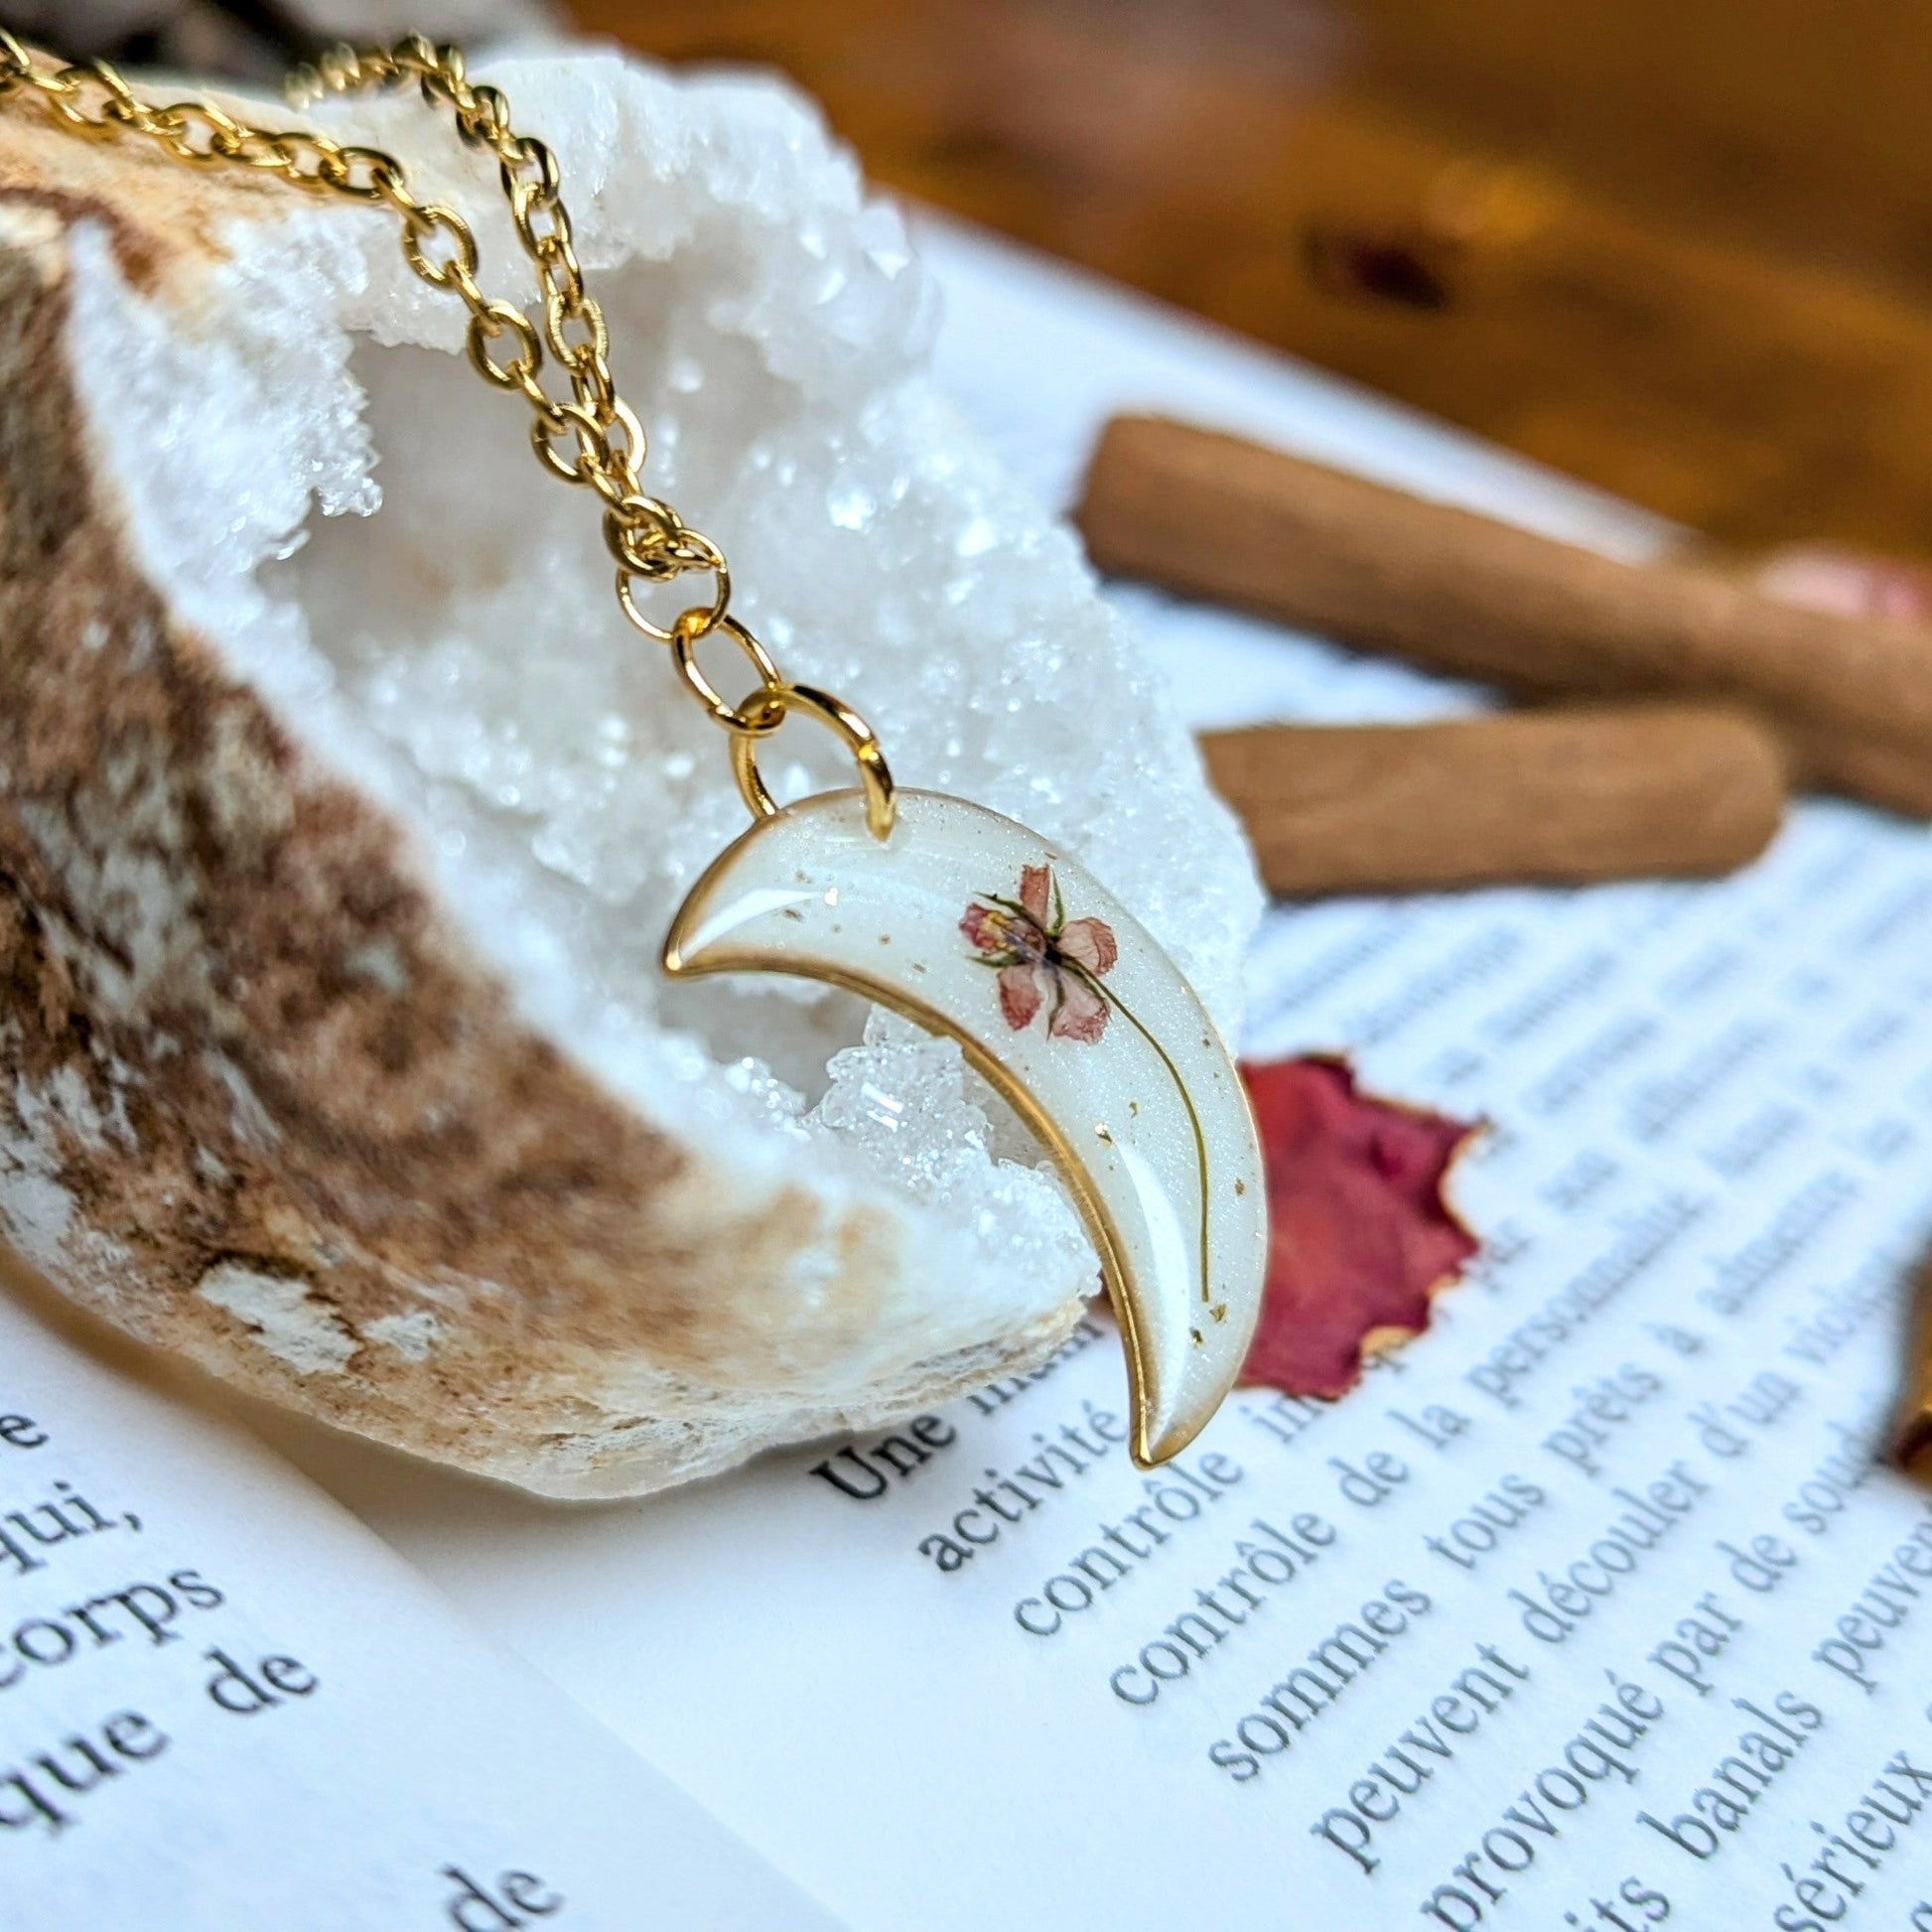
(343, 817)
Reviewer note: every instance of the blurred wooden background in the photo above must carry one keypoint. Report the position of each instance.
(1680, 247)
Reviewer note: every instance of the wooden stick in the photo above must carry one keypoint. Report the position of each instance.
(1222, 518)
(1567, 796)
(1912, 1428)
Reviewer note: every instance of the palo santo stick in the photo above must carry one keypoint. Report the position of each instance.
(1564, 797)
(1234, 523)
(1912, 1431)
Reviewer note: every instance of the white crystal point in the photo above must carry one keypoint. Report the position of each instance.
(978, 929)
(355, 815)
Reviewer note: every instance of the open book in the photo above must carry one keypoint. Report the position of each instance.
(1590, 1608)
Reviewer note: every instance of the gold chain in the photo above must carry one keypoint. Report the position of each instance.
(601, 441)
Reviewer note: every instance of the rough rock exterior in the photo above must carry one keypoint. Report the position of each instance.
(185, 31)
(275, 1093)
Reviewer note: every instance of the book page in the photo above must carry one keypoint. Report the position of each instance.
(1590, 1608)
(225, 1706)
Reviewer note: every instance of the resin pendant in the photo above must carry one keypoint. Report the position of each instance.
(975, 927)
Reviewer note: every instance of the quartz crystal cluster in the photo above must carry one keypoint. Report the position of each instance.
(328, 513)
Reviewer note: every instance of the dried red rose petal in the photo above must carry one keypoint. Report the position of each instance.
(1359, 1233)
(1847, 583)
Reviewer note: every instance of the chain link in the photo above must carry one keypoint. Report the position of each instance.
(594, 440)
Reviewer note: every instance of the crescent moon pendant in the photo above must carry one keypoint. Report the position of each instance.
(975, 927)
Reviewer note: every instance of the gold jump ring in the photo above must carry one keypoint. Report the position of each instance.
(875, 775)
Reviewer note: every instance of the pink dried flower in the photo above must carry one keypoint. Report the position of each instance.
(1041, 957)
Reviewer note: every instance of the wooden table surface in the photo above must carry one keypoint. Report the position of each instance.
(1682, 248)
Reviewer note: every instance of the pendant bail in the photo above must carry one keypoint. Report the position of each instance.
(837, 716)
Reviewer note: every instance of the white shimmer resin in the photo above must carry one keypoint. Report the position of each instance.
(1138, 1098)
